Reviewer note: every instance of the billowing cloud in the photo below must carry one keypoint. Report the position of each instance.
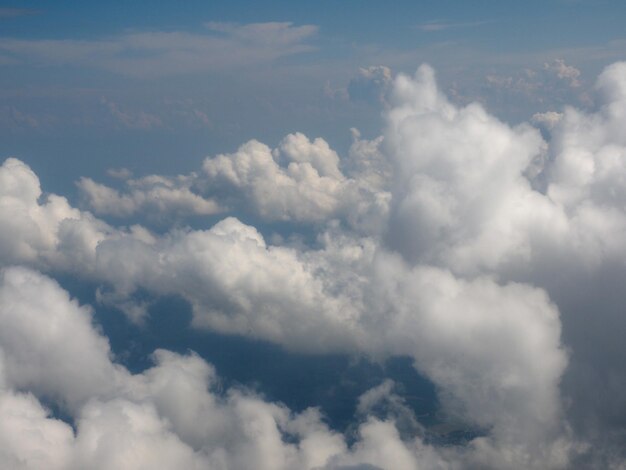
(298, 181)
(155, 196)
(172, 415)
(491, 257)
(341, 297)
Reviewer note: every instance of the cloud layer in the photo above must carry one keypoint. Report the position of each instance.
(482, 251)
(154, 54)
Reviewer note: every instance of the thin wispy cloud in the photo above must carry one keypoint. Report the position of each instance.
(158, 53)
(442, 25)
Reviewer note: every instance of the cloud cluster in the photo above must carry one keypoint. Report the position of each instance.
(341, 297)
(170, 416)
(299, 181)
(156, 196)
(478, 249)
(556, 82)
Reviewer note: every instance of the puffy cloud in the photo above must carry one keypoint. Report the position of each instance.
(36, 227)
(460, 198)
(494, 351)
(309, 187)
(341, 297)
(29, 439)
(548, 119)
(48, 341)
(171, 415)
(475, 274)
(236, 283)
(156, 196)
(299, 181)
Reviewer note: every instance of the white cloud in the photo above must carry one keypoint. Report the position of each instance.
(460, 198)
(308, 187)
(298, 181)
(48, 341)
(341, 297)
(29, 439)
(156, 196)
(32, 229)
(170, 416)
(476, 274)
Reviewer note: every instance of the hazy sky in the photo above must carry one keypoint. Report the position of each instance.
(338, 235)
(160, 85)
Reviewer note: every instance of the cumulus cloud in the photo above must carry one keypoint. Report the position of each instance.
(298, 181)
(172, 415)
(460, 198)
(308, 187)
(39, 228)
(457, 258)
(156, 196)
(340, 297)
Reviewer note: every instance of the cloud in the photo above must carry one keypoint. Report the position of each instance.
(274, 34)
(460, 199)
(172, 415)
(298, 181)
(309, 186)
(140, 120)
(504, 292)
(335, 299)
(564, 72)
(438, 25)
(371, 85)
(154, 54)
(548, 119)
(542, 85)
(156, 196)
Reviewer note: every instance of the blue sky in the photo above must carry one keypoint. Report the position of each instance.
(339, 235)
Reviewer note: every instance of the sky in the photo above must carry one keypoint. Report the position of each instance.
(338, 235)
